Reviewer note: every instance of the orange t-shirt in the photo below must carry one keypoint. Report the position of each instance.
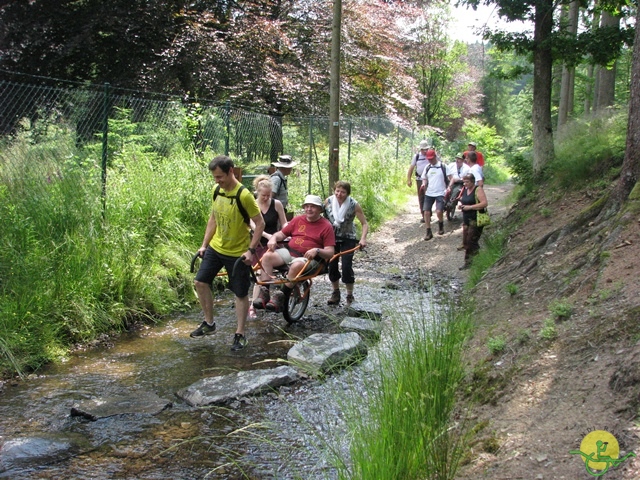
(479, 157)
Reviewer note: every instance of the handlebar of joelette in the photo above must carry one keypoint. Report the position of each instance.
(193, 261)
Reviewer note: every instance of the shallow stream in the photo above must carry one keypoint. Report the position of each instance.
(273, 436)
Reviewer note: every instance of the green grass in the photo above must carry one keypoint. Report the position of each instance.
(492, 248)
(496, 344)
(405, 426)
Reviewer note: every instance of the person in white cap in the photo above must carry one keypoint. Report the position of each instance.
(284, 166)
(311, 237)
(418, 164)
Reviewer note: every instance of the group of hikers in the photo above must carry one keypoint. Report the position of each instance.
(246, 226)
(461, 182)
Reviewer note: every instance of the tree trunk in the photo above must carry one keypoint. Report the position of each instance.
(334, 97)
(543, 152)
(605, 94)
(565, 107)
(631, 164)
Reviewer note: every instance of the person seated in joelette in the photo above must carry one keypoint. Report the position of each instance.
(311, 237)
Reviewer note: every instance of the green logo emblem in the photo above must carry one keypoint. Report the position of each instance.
(600, 451)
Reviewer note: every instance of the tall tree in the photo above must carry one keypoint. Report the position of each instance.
(565, 107)
(630, 172)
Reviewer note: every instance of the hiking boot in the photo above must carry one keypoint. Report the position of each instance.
(276, 303)
(239, 342)
(349, 299)
(422, 220)
(203, 329)
(262, 299)
(335, 298)
(440, 228)
(429, 234)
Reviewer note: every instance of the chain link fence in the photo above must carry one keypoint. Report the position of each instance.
(43, 124)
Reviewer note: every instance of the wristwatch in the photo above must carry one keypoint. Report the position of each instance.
(317, 251)
(252, 250)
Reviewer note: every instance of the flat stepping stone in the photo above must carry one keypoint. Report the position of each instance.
(145, 403)
(364, 310)
(370, 329)
(225, 388)
(323, 352)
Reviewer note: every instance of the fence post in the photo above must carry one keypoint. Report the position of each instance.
(227, 123)
(105, 147)
(349, 145)
(310, 154)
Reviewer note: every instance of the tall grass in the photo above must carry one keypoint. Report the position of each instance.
(404, 426)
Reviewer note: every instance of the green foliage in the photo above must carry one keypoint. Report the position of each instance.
(405, 427)
(561, 309)
(512, 289)
(589, 150)
(549, 330)
(496, 344)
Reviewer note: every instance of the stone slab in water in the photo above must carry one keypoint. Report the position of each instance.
(219, 390)
(323, 352)
(136, 402)
(364, 310)
(370, 329)
(36, 450)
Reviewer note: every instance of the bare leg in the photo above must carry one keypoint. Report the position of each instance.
(205, 297)
(242, 307)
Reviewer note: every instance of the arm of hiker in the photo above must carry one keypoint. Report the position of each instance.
(410, 174)
(258, 221)
(365, 225)
(282, 218)
(208, 234)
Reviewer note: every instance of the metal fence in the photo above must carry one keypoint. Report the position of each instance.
(101, 119)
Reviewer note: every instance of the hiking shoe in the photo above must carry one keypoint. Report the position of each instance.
(349, 299)
(429, 235)
(422, 220)
(335, 298)
(276, 302)
(441, 231)
(262, 299)
(204, 329)
(239, 342)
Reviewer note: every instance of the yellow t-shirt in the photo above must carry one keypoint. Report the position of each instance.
(232, 235)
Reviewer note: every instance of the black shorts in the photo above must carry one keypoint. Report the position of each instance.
(238, 272)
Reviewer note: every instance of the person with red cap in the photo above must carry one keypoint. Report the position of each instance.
(434, 183)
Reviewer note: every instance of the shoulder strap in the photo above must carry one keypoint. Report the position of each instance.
(444, 173)
(243, 211)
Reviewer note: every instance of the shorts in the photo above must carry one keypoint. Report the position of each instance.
(429, 201)
(288, 259)
(238, 272)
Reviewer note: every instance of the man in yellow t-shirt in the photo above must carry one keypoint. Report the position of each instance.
(228, 238)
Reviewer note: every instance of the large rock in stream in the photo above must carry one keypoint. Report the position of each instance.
(323, 352)
(223, 389)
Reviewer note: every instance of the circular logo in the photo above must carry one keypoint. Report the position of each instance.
(598, 444)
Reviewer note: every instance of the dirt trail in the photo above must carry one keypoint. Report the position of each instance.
(400, 241)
